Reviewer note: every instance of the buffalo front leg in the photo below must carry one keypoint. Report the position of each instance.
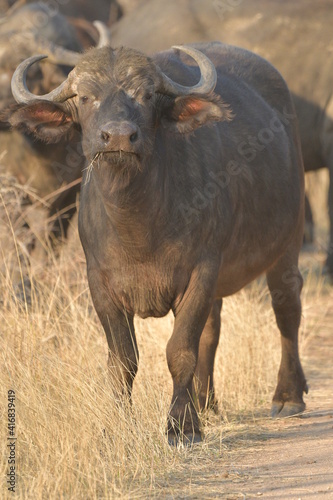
(119, 329)
(203, 383)
(182, 355)
(285, 284)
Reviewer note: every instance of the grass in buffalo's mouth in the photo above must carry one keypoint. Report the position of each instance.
(119, 159)
(115, 159)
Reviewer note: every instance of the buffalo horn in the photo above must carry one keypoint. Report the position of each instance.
(21, 92)
(207, 80)
(104, 34)
(60, 55)
(55, 53)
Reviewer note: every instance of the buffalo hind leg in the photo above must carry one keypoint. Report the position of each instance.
(309, 224)
(203, 384)
(328, 269)
(285, 284)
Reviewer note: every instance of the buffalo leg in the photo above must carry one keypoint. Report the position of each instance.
(119, 329)
(285, 284)
(329, 261)
(309, 225)
(182, 355)
(203, 385)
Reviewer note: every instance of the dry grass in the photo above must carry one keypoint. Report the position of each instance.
(75, 441)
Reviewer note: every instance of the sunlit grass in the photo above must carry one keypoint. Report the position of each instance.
(76, 440)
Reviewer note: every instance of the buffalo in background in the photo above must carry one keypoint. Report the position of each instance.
(83, 9)
(296, 37)
(107, 11)
(51, 173)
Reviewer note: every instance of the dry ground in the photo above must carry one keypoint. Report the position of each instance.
(74, 439)
(287, 459)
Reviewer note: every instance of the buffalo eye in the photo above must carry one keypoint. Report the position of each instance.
(84, 99)
(148, 96)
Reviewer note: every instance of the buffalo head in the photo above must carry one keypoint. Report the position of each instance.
(121, 99)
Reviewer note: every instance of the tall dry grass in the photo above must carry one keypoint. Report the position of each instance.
(74, 439)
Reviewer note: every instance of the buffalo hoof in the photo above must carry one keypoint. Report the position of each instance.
(282, 410)
(184, 439)
(211, 408)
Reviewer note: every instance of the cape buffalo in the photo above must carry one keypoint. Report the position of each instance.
(84, 9)
(174, 214)
(296, 37)
(51, 172)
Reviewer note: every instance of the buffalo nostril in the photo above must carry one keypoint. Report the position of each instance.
(134, 137)
(105, 136)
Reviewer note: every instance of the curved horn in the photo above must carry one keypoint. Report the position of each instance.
(104, 34)
(55, 53)
(207, 80)
(21, 92)
(60, 55)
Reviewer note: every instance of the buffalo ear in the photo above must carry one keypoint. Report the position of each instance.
(44, 120)
(185, 114)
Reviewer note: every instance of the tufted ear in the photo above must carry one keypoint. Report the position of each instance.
(185, 114)
(44, 120)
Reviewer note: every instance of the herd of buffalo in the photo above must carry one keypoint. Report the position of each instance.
(191, 148)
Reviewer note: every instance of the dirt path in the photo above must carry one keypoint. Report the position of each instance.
(292, 458)
(289, 459)
(295, 462)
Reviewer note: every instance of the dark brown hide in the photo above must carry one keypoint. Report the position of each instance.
(294, 36)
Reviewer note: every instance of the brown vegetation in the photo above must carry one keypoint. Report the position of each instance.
(74, 440)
